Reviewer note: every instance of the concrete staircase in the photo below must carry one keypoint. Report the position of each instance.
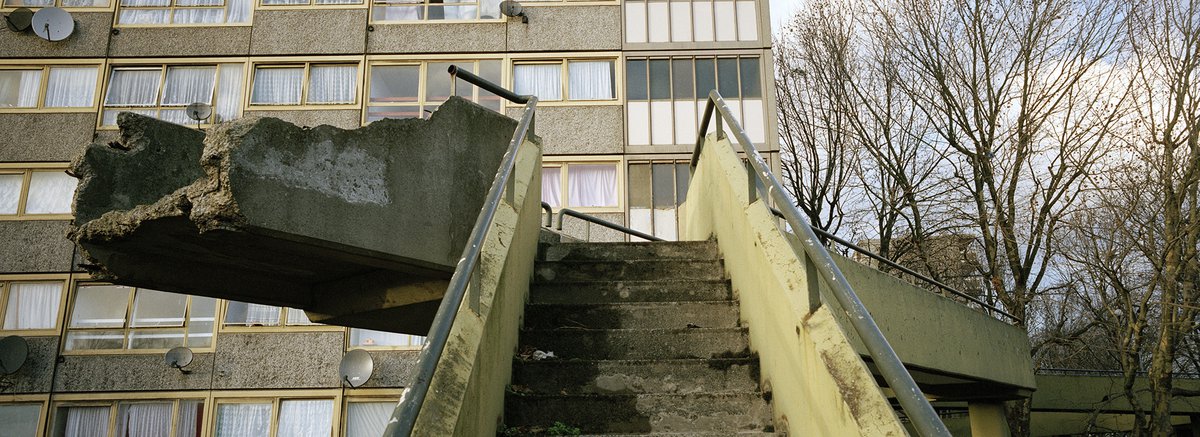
(646, 341)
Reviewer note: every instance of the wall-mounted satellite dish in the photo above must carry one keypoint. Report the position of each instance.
(19, 20)
(13, 351)
(199, 111)
(356, 367)
(511, 8)
(53, 24)
(178, 358)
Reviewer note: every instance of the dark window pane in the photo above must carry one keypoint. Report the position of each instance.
(489, 70)
(635, 79)
(682, 177)
(681, 77)
(727, 80)
(437, 81)
(660, 79)
(706, 79)
(397, 83)
(751, 88)
(639, 185)
(664, 186)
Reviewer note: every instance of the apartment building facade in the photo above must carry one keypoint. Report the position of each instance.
(621, 84)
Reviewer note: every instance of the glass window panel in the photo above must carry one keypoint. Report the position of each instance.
(21, 420)
(332, 83)
(10, 192)
(229, 93)
(702, 19)
(635, 79)
(367, 419)
(681, 21)
(682, 178)
(201, 321)
(639, 186)
(133, 87)
(635, 22)
(664, 186)
(298, 317)
(662, 123)
(20, 88)
(659, 21)
(251, 314)
(32, 305)
(199, 16)
(681, 78)
(723, 12)
(592, 185)
(144, 16)
(375, 113)
(541, 80)
(190, 418)
(157, 308)
(660, 79)
(751, 87)
(398, 13)
(367, 337)
(100, 306)
(243, 420)
(706, 78)
(95, 339)
(187, 85)
(27, 3)
(156, 338)
(50, 192)
(284, 2)
(395, 83)
(637, 121)
(489, 70)
(71, 87)
(83, 421)
(238, 11)
(306, 418)
(747, 21)
(277, 86)
(144, 419)
(727, 77)
(552, 186)
(437, 81)
(590, 80)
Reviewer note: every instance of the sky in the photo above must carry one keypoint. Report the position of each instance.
(781, 10)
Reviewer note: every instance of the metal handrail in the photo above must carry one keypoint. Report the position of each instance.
(924, 418)
(549, 214)
(986, 307)
(602, 222)
(404, 417)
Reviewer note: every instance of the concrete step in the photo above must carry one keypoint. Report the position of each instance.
(723, 413)
(637, 315)
(639, 344)
(575, 377)
(636, 250)
(627, 270)
(613, 291)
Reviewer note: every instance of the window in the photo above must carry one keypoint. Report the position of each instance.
(656, 189)
(666, 96)
(415, 89)
(420, 10)
(116, 317)
(30, 305)
(274, 417)
(252, 314)
(140, 418)
(305, 84)
(661, 21)
(369, 338)
(67, 4)
(21, 419)
(368, 417)
(580, 185)
(186, 12)
(57, 88)
(580, 80)
(37, 193)
(308, 2)
(165, 91)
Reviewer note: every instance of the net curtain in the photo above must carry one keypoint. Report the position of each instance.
(592, 185)
(32, 305)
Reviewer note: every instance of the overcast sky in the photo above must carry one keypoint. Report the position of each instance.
(781, 10)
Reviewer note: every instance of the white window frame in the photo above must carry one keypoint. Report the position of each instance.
(564, 81)
(564, 163)
(27, 170)
(128, 329)
(6, 283)
(249, 104)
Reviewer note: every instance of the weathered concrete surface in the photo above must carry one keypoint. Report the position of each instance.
(71, 132)
(35, 375)
(580, 130)
(34, 246)
(110, 373)
(434, 37)
(343, 118)
(576, 28)
(278, 360)
(89, 40)
(340, 223)
(287, 32)
(180, 41)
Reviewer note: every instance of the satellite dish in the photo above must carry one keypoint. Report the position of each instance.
(19, 20)
(513, 9)
(13, 351)
(199, 111)
(53, 24)
(356, 367)
(178, 358)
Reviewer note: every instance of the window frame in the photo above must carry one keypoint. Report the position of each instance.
(306, 64)
(425, 4)
(564, 82)
(117, 7)
(736, 25)
(43, 87)
(564, 162)
(312, 4)
(58, 4)
(359, 395)
(127, 327)
(283, 326)
(42, 400)
(351, 346)
(5, 283)
(275, 398)
(114, 400)
(27, 169)
(649, 161)
(164, 64)
(422, 64)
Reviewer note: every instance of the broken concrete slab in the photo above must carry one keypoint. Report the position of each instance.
(359, 227)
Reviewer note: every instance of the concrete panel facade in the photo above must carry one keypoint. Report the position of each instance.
(320, 31)
(581, 28)
(33, 246)
(586, 231)
(140, 372)
(579, 130)
(278, 360)
(44, 137)
(180, 41)
(434, 37)
(37, 372)
(90, 40)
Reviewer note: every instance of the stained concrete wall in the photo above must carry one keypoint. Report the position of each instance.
(37, 372)
(90, 40)
(45, 137)
(586, 231)
(576, 130)
(433, 37)
(575, 28)
(270, 360)
(141, 372)
(309, 31)
(343, 118)
(35, 246)
(180, 41)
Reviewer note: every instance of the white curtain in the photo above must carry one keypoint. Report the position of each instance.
(19, 88)
(50, 192)
(198, 15)
(297, 317)
(32, 305)
(188, 424)
(265, 315)
(83, 3)
(398, 13)
(144, 420)
(145, 16)
(305, 418)
(129, 87)
(590, 80)
(71, 87)
(243, 420)
(332, 83)
(368, 337)
(238, 11)
(86, 422)
(10, 192)
(368, 419)
(339, 2)
(541, 80)
(277, 86)
(184, 86)
(552, 186)
(592, 185)
(229, 93)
